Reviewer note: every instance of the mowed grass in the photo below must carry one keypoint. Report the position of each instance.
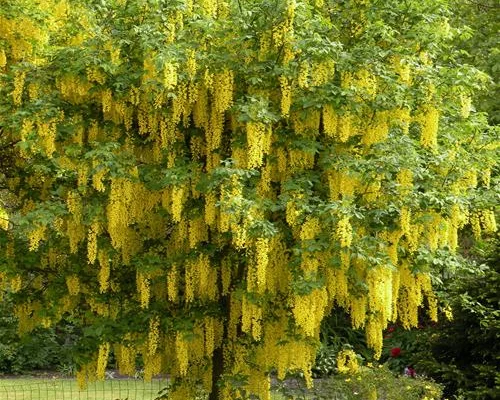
(67, 389)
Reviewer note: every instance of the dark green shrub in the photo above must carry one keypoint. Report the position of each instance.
(337, 334)
(41, 349)
(463, 354)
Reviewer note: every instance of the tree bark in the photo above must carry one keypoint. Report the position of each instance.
(217, 371)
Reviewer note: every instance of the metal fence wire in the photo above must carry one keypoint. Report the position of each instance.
(67, 389)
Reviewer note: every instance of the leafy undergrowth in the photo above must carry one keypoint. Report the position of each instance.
(369, 383)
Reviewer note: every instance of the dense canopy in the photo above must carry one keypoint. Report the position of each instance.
(201, 181)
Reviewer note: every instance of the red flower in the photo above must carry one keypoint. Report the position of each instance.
(395, 351)
(409, 371)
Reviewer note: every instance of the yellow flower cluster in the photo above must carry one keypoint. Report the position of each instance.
(429, 124)
(183, 109)
(330, 121)
(47, 133)
(282, 352)
(143, 289)
(118, 211)
(223, 90)
(3, 58)
(448, 313)
(308, 310)
(251, 319)
(286, 96)
(299, 160)
(405, 180)
(97, 178)
(172, 283)
(403, 118)
(344, 127)
(27, 317)
(358, 308)
(197, 231)
(306, 126)
(278, 276)
(96, 75)
(402, 68)
(106, 100)
(303, 75)
(366, 82)
(104, 271)
(262, 261)
(16, 283)
(412, 289)
(344, 232)
(341, 184)
(379, 280)
(19, 78)
(182, 353)
(73, 284)
(377, 129)
(466, 105)
(191, 65)
(405, 220)
(169, 76)
(126, 355)
(4, 218)
(373, 332)
(259, 143)
(347, 362)
(177, 202)
(488, 221)
(36, 236)
(20, 34)
(310, 229)
(322, 72)
(153, 335)
(102, 361)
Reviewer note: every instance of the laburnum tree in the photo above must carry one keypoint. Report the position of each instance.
(200, 182)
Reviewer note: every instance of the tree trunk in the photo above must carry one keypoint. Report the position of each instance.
(217, 371)
(218, 355)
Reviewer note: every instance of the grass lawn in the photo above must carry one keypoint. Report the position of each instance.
(67, 389)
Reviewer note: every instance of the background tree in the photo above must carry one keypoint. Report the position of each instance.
(480, 21)
(201, 182)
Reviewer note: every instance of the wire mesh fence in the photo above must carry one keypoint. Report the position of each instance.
(67, 389)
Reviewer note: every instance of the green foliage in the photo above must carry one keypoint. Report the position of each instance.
(154, 147)
(462, 353)
(337, 334)
(479, 22)
(370, 383)
(42, 349)
(405, 343)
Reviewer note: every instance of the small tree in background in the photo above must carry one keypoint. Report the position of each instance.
(201, 182)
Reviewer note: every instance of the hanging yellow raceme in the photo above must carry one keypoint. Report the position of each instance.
(344, 232)
(429, 124)
(176, 179)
